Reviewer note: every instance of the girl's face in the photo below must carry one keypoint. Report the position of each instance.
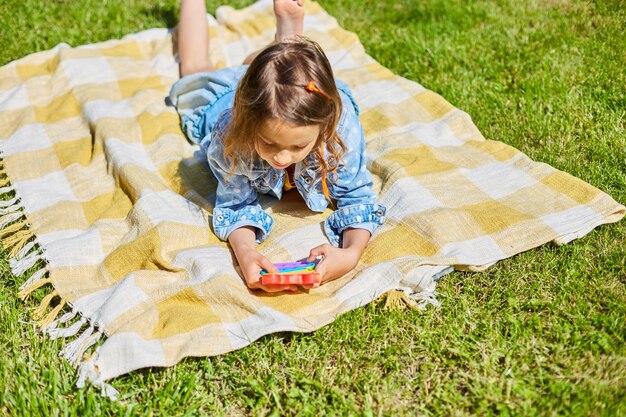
(281, 145)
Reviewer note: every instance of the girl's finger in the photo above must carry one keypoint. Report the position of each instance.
(320, 268)
(315, 252)
(265, 263)
(309, 286)
(257, 285)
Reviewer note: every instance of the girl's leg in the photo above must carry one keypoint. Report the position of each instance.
(289, 18)
(289, 22)
(193, 40)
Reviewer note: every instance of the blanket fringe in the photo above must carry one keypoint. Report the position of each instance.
(425, 298)
(88, 372)
(40, 310)
(68, 316)
(23, 294)
(9, 203)
(8, 218)
(19, 239)
(70, 350)
(15, 238)
(15, 227)
(35, 277)
(75, 350)
(43, 323)
(399, 299)
(54, 331)
(24, 251)
(19, 266)
(10, 208)
(89, 342)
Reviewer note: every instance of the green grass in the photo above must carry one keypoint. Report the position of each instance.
(542, 333)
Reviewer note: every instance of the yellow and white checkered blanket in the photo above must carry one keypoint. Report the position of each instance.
(106, 201)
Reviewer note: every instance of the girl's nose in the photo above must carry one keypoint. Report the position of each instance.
(282, 158)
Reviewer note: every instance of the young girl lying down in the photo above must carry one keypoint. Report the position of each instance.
(278, 123)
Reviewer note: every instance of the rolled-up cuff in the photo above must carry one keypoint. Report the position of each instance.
(226, 220)
(358, 216)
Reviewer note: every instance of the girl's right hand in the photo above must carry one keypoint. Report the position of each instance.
(251, 262)
(251, 266)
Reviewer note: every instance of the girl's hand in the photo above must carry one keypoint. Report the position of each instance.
(336, 262)
(251, 262)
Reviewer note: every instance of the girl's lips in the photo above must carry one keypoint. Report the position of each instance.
(279, 166)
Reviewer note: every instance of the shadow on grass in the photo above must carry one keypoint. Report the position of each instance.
(165, 13)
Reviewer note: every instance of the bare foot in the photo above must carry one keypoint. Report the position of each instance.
(289, 18)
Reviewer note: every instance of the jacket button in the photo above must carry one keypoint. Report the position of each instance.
(220, 218)
(307, 180)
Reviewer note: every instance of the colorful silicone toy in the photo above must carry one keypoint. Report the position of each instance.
(292, 273)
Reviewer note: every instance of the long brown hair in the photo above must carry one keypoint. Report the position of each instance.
(274, 87)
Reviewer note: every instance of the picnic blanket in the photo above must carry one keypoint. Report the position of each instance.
(106, 206)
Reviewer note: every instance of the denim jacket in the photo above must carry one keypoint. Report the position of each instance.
(237, 202)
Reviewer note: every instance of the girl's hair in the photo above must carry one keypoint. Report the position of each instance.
(274, 87)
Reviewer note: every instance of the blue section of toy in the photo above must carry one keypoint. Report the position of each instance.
(292, 267)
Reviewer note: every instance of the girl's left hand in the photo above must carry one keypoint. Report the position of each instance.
(336, 262)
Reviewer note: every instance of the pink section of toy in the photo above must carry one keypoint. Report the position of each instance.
(292, 273)
(312, 279)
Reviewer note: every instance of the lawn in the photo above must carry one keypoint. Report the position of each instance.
(542, 333)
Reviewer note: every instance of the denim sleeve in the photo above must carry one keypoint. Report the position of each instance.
(357, 203)
(236, 203)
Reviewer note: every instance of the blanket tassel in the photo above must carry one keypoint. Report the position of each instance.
(88, 372)
(71, 349)
(35, 277)
(398, 299)
(40, 310)
(75, 350)
(9, 218)
(7, 189)
(424, 298)
(23, 294)
(10, 241)
(21, 254)
(19, 266)
(19, 241)
(68, 316)
(9, 208)
(54, 331)
(9, 230)
(10, 203)
(43, 323)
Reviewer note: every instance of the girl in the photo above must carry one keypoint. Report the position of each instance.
(280, 123)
